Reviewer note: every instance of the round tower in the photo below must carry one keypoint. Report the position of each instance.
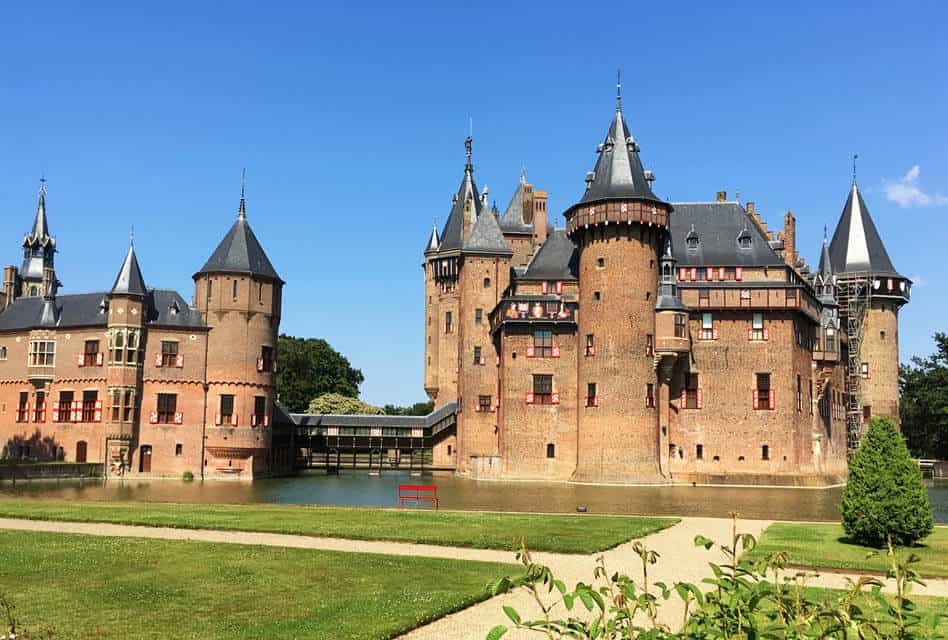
(619, 226)
(871, 292)
(239, 295)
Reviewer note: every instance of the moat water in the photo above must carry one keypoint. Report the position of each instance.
(359, 489)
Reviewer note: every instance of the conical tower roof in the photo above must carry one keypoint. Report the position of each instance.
(513, 220)
(434, 241)
(824, 273)
(452, 234)
(618, 173)
(856, 245)
(129, 280)
(240, 251)
(39, 234)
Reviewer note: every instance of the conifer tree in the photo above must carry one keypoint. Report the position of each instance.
(885, 497)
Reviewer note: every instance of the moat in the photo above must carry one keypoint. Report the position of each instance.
(359, 489)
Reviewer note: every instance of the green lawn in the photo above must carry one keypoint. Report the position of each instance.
(825, 546)
(88, 587)
(556, 533)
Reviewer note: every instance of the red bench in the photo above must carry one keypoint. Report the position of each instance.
(413, 494)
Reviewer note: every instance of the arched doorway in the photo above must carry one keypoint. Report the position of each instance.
(81, 451)
(144, 459)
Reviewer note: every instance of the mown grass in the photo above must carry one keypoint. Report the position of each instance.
(85, 587)
(826, 546)
(479, 530)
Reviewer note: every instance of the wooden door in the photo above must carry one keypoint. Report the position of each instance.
(81, 451)
(144, 464)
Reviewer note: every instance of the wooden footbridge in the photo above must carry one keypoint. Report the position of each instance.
(375, 443)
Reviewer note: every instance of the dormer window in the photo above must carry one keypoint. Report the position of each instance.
(173, 308)
(744, 239)
(692, 242)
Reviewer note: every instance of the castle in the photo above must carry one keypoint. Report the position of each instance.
(137, 378)
(652, 341)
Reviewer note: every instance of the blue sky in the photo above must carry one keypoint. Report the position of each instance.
(351, 118)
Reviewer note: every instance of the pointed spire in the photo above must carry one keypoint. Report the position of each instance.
(242, 208)
(856, 245)
(434, 241)
(129, 280)
(39, 234)
(451, 235)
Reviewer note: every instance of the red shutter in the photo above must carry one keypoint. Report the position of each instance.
(99, 359)
(756, 406)
(544, 287)
(259, 364)
(720, 273)
(555, 397)
(556, 351)
(766, 334)
(739, 273)
(682, 273)
(773, 399)
(266, 421)
(497, 360)
(530, 351)
(153, 417)
(217, 418)
(750, 332)
(233, 420)
(684, 397)
(98, 411)
(559, 286)
(709, 273)
(158, 360)
(77, 411)
(529, 398)
(714, 333)
(482, 361)
(700, 398)
(28, 413)
(179, 360)
(592, 349)
(55, 412)
(81, 361)
(178, 417)
(694, 274)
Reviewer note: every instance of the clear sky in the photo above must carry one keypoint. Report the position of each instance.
(350, 119)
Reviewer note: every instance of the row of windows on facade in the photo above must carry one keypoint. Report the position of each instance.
(124, 348)
(676, 451)
(124, 408)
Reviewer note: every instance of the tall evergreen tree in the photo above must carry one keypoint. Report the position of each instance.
(885, 497)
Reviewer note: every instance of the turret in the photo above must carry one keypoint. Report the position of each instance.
(619, 226)
(39, 250)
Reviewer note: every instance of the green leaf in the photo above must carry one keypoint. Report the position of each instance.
(497, 632)
(512, 614)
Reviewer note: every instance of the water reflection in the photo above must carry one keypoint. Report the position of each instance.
(360, 489)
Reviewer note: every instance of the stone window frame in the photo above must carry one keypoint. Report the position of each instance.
(550, 451)
(45, 357)
(592, 395)
(3, 353)
(543, 388)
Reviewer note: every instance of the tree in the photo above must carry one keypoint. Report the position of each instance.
(417, 409)
(924, 402)
(885, 497)
(308, 368)
(338, 404)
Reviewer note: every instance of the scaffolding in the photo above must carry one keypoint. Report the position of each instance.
(855, 296)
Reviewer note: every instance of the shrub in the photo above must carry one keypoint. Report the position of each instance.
(885, 498)
(187, 476)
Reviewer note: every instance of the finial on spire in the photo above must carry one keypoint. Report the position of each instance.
(131, 237)
(242, 209)
(42, 188)
(618, 89)
(824, 234)
(855, 157)
(468, 165)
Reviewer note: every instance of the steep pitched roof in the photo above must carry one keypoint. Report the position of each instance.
(129, 280)
(434, 241)
(856, 245)
(240, 252)
(717, 226)
(513, 221)
(39, 234)
(451, 235)
(486, 236)
(825, 272)
(557, 259)
(618, 172)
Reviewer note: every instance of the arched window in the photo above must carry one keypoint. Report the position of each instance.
(235, 288)
(33, 290)
(551, 450)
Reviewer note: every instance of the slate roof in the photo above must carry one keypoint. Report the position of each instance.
(557, 259)
(451, 235)
(856, 245)
(618, 172)
(486, 237)
(129, 280)
(825, 271)
(717, 226)
(434, 241)
(512, 221)
(40, 231)
(86, 310)
(240, 252)
(417, 422)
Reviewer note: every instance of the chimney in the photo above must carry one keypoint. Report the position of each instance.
(49, 282)
(722, 196)
(540, 220)
(789, 238)
(750, 208)
(9, 285)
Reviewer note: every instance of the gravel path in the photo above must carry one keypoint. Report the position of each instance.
(679, 561)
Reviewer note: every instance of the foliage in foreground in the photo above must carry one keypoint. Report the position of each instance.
(738, 601)
(923, 402)
(310, 367)
(340, 405)
(885, 498)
